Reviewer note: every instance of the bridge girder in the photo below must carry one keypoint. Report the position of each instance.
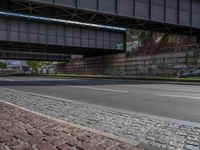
(37, 56)
(172, 16)
(33, 35)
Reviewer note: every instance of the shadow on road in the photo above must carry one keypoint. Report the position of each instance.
(74, 82)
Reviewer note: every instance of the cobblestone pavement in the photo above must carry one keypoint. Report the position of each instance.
(152, 130)
(22, 130)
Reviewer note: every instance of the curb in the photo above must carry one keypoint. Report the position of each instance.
(141, 80)
(188, 123)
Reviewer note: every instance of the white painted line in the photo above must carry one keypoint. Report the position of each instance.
(6, 79)
(9, 80)
(99, 89)
(130, 85)
(179, 96)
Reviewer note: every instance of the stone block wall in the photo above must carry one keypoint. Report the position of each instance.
(168, 63)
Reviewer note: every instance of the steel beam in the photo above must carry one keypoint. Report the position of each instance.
(28, 34)
(21, 55)
(184, 14)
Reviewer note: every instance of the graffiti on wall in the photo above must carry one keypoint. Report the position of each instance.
(132, 45)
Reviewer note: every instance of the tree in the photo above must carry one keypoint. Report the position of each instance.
(2, 65)
(143, 36)
(34, 65)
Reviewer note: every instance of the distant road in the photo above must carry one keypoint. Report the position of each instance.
(173, 101)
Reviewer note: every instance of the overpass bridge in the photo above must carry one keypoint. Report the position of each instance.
(172, 16)
(30, 38)
(38, 56)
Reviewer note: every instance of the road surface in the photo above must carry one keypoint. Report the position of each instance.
(173, 101)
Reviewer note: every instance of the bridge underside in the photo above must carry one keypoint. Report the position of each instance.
(33, 36)
(172, 16)
(38, 56)
(54, 49)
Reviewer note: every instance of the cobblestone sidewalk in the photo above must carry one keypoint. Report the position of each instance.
(152, 130)
(22, 130)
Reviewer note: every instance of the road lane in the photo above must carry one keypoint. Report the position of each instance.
(173, 101)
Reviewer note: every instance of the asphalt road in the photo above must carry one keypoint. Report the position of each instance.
(172, 101)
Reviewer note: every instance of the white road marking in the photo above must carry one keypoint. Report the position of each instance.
(179, 96)
(129, 85)
(6, 79)
(100, 89)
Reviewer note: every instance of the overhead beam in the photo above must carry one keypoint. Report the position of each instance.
(38, 56)
(29, 34)
(184, 14)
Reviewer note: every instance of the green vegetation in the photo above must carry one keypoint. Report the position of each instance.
(2, 65)
(143, 36)
(147, 38)
(34, 65)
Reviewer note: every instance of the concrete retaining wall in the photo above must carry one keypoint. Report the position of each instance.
(164, 64)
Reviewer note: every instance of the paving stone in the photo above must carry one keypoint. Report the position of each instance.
(58, 141)
(3, 146)
(51, 135)
(191, 147)
(21, 146)
(135, 126)
(12, 141)
(35, 133)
